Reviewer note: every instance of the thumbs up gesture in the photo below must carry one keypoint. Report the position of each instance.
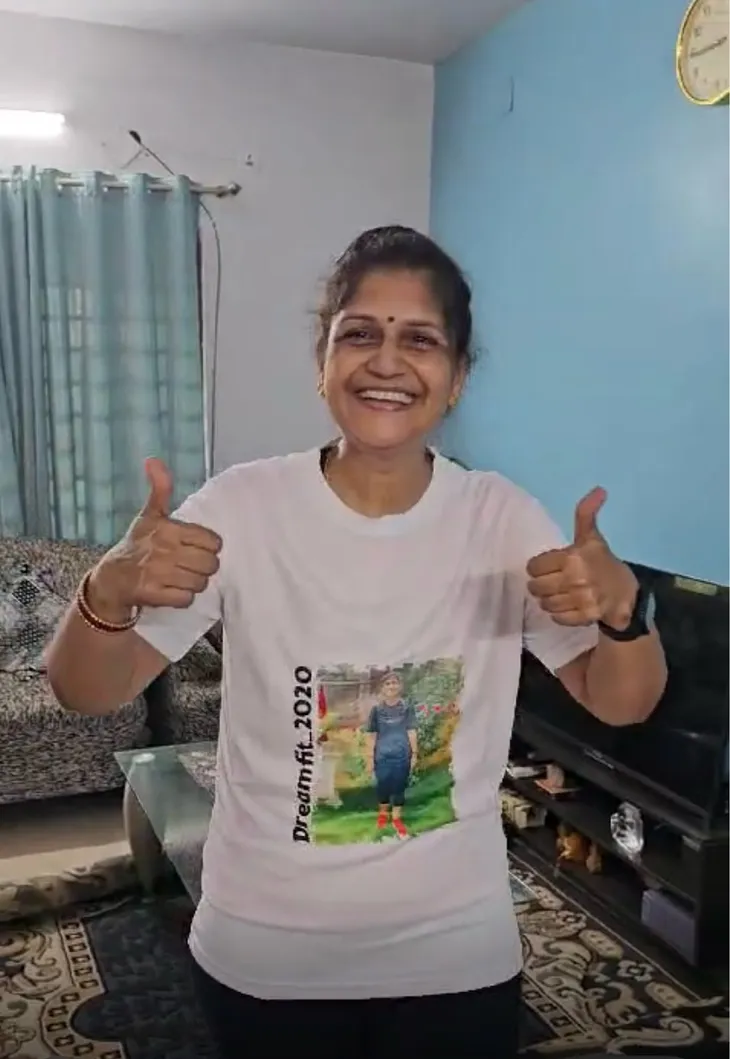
(584, 582)
(160, 562)
(161, 486)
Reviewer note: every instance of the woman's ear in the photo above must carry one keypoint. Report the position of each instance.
(456, 388)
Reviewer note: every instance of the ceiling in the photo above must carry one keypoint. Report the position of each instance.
(416, 30)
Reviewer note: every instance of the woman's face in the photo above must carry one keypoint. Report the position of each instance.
(390, 690)
(389, 373)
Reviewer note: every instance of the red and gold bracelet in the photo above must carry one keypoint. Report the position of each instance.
(93, 620)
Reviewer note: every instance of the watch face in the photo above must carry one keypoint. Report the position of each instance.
(703, 52)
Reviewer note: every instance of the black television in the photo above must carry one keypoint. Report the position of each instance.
(681, 752)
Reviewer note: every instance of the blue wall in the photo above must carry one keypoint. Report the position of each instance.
(588, 202)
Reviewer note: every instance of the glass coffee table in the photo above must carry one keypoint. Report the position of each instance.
(168, 801)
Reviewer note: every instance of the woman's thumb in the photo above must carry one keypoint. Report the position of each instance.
(160, 482)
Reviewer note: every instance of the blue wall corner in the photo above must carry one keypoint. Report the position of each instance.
(588, 202)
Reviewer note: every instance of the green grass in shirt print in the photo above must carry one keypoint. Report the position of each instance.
(384, 758)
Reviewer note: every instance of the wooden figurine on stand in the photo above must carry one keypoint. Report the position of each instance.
(573, 847)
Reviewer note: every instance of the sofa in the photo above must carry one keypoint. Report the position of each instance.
(46, 751)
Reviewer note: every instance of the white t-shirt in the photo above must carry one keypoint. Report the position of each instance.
(355, 846)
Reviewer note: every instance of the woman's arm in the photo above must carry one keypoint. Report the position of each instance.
(620, 683)
(166, 567)
(571, 589)
(93, 672)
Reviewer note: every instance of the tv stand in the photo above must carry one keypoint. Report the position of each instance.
(677, 888)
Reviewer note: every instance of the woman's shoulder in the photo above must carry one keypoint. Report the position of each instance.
(272, 470)
(506, 514)
(225, 491)
(480, 488)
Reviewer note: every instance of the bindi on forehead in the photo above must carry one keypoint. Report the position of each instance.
(391, 319)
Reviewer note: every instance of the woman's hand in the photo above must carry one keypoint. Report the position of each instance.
(585, 582)
(158, 563)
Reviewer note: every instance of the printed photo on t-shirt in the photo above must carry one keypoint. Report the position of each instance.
(380, 767)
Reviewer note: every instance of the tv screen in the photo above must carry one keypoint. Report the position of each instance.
(681, 751)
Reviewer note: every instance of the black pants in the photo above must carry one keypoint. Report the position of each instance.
(477, 1025)
(391, 780)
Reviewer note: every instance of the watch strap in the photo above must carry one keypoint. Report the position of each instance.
(638, 625)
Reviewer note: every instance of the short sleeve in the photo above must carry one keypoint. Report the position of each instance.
(411, 720)
(174, 631)
(372, 725)
(554, 645)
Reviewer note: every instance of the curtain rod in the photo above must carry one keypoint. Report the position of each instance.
(218, 191)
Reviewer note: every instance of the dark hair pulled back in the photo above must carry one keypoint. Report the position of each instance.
(395, 248)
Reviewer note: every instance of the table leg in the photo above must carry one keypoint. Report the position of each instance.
(146, 849)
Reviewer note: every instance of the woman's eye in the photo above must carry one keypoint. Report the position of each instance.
(423, 341)
(356, 334)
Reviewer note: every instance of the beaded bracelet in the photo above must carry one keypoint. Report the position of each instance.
(92, 619)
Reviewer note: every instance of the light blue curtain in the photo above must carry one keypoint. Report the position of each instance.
(100, 352)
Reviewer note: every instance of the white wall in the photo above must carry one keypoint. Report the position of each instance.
(339, 143)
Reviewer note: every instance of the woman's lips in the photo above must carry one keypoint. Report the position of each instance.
(386, 400)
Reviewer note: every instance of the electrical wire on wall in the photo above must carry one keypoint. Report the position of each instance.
(210, 378)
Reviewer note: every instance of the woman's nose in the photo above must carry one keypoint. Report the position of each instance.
(386, 360)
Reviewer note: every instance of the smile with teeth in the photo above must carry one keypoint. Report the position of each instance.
(387, 398)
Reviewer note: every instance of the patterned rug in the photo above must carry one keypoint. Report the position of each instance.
(110, 978)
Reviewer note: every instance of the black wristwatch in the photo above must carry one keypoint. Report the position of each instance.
(641, 622)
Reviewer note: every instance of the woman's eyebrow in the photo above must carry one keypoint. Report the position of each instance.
(369, 318)
(424, 323)
(359, 316)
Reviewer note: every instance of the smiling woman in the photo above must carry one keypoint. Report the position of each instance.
(393, 351)
(375, 601)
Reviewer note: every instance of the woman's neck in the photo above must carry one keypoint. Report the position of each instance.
(375, 484)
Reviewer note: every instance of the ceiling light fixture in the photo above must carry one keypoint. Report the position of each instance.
(30, 124)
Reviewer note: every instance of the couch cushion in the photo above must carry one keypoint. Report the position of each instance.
(194, 715)
(30, 609)
(66, 561)
(28, 702)
(214, 636)
(202, 662)
(47, 751)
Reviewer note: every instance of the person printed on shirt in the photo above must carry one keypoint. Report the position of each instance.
(393, 737)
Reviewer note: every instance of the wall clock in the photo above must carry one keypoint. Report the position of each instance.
(702, 55)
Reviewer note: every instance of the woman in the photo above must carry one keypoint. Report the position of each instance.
(372, 551)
